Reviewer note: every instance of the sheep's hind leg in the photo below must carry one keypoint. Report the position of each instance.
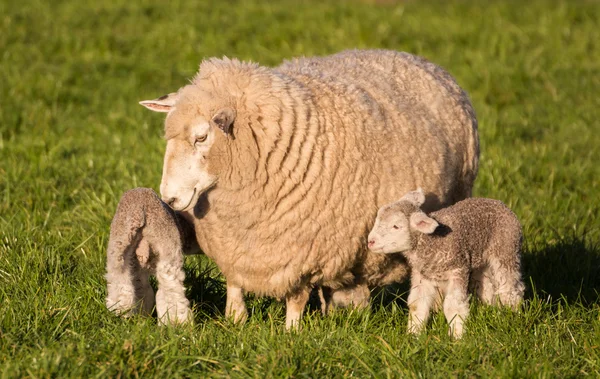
(422, 296)
(172, 306)
(235, 307)
(483, 285)
(128, 287)
(143, 289)
(509, 286)
(295, 303)
(456, 304)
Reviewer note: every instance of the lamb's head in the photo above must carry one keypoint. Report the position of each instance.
(195, 123)
(398, 224)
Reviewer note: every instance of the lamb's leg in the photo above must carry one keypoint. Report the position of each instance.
(509, 286)
(144, 290)
(295, 303)
(356, 295)
(235, 307)
(483, 285)
(456, 303)
(423, 294)
(172, 306)
(127, 283)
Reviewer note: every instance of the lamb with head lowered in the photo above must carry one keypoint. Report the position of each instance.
(282, 170)
(147, 237)
(475, 238)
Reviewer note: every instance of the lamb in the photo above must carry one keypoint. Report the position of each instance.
(282, 169)
(148, 237)
(476, 237)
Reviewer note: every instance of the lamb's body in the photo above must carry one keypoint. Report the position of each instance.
(476, 238)
(147, 237)
(473, 234)
(317, 146)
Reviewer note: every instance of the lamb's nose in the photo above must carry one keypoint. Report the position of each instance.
(371, 243)
(171, 201)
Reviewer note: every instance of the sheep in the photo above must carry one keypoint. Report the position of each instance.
(282, 169)
(148, 237)
(476, 237)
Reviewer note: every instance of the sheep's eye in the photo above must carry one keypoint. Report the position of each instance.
(201, 139)
(396, 227)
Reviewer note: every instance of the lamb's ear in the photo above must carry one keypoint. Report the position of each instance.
(224, 119)
(162, 104)
(416, 197)
(419, 221)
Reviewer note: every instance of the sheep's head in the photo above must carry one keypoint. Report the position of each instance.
(397, 224)
(193, 125)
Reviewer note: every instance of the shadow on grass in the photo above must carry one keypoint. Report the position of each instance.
(207, 292)
(568, 268)
(205, 288)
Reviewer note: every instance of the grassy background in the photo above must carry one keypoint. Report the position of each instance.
(73, 139)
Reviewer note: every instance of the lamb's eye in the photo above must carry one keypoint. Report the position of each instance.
(201, 139)
(396, 227)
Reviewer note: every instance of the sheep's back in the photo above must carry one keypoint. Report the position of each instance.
(362, 134)
(415, 116)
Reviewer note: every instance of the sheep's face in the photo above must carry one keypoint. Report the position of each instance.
(397, 224)
(190, 135)
(185, 169)
(391, 232)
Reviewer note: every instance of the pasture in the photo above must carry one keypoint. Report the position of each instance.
(73, 138)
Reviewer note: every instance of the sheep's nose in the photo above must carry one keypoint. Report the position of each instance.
(371, 243)
(170, 201)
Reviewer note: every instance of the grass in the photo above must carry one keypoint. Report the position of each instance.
(73, 139)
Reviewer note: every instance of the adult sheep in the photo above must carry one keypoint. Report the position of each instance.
(282, 170)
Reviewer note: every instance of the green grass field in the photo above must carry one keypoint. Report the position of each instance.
(73, 139)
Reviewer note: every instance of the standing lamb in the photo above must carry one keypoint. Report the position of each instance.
(282, 170)
(147, 237)
(476, 237)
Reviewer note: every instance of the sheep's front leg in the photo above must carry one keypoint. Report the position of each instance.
(295, 303)
(423, 294)
(456, 303)
(235, 307)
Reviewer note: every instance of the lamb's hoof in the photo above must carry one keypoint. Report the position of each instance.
(176, 318)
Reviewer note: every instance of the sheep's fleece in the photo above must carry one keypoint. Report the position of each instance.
(308, 153)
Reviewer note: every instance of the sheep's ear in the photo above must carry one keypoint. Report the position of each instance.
(415, 197)
(224, 119)
(162, 104)
(419, 221)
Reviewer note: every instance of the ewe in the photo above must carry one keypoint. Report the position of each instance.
(147, 237)
(282, 170)
(480, 238)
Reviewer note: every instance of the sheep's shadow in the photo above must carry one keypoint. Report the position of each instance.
(205, 287)
(568, 268)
